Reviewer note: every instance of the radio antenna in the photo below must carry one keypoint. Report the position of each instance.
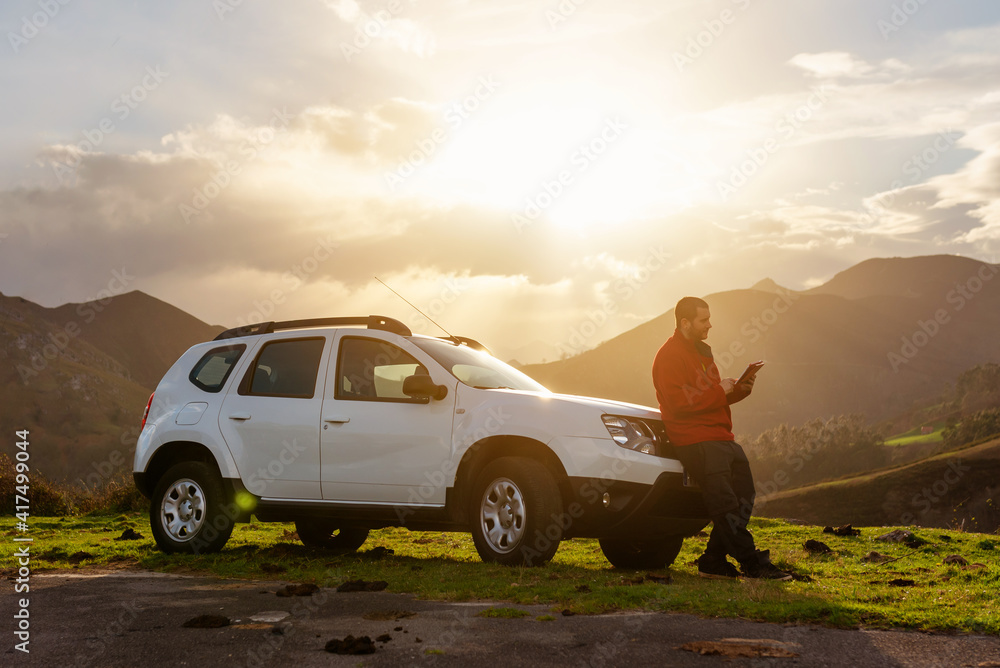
(450, 335)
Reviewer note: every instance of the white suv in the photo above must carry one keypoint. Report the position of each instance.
(342, 425)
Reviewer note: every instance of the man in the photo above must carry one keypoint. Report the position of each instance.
(694, 405)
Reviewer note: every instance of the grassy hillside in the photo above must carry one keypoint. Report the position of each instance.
(956, 488)
(78, 376)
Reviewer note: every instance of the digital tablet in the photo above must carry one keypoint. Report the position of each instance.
(751, 371)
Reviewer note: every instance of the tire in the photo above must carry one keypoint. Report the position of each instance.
(318, 532)
(516, 512)
(189, 511)
(653, 554)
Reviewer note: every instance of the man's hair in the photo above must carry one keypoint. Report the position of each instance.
(687, 309)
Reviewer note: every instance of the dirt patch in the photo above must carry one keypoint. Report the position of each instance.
(130, 534)
(874, 558)
(816, 547)
(272, 568)
(351, 645)
(732, 648)
(388, 615)
(307, 589)
(206, 622)
(362, 585)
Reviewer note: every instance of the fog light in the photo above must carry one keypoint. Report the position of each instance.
(606, 499)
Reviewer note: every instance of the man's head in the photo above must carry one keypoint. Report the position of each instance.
(693, 318)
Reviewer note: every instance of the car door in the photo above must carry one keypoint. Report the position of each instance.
(271, 419)
(378, 445)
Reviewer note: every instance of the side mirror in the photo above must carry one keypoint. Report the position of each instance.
(423, 386)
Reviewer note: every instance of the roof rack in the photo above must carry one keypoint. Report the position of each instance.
(372, 321)
(466, 341)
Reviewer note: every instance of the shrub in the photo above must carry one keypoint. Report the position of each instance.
(45, 497)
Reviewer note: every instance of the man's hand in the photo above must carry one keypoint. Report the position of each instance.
(728, 384)
(747, 385)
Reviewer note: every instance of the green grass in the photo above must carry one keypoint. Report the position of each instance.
(914, 435)
(838, 590)
(503, 613)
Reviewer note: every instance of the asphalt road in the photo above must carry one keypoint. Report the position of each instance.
(134, 618)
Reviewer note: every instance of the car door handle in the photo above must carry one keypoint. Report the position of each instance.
(337, 420)
(239, 416)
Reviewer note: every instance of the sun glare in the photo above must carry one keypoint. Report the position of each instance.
(566, 158)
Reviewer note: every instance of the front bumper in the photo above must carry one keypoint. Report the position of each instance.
(634, 510)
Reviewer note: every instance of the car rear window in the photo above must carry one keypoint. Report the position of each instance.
(214, 367)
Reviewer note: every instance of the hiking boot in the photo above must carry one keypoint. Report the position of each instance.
(761, 567)
(718, 569)
(766, 571)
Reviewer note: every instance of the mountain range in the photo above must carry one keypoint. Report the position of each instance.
(877, 339)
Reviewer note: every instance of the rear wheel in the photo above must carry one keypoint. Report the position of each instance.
(189, 511)
(318, 532)
(516, 512)
(653, 554)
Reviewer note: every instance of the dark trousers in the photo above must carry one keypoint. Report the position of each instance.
(723, 473)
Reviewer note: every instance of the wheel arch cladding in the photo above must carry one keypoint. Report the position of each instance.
(481, 453)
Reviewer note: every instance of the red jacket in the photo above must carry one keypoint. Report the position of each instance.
(693, 405)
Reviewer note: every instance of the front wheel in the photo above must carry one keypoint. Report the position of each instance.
(330, 535)
(516, 513)
(188, 512)
(652, 554)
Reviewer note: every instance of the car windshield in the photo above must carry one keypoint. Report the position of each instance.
(476, 368)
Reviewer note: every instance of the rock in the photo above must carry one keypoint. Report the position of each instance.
(362, 585)
(77, 557)
(351, 645)
(206, 622)
(817, 547)
(956, 559)
(901, 582)
(845, 530)
(568, 613)
(385, 637)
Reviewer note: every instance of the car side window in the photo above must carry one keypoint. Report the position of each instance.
(373, 370)
(214, 367)
(285, 369)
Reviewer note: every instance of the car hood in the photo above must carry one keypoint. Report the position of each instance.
(603, 405)
(609, 406)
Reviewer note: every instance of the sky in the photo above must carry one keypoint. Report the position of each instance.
(539, 175)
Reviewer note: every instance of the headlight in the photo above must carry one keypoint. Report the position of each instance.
(631, 433)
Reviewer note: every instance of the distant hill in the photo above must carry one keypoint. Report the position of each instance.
(877, 338)
(951, 489)
(911, 277)
(78, 376)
